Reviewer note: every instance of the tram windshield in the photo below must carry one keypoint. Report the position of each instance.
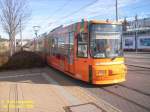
(106, 41)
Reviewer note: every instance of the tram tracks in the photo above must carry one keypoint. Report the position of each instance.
(136, 57)
(138, 69)
(124, 89)
(139, 91)
(110, 91)
(96, 90)
(141, 67)
(133, 97)
(127, 99)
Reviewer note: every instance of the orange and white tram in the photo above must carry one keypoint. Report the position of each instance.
(88, 50)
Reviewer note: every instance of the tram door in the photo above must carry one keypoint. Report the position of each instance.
(81, 61)
(70, 59)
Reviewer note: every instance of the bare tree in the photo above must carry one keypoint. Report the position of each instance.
(13, 14)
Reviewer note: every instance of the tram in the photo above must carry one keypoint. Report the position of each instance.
(90, 51)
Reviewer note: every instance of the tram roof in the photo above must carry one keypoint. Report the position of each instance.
(104, 22)
(90, 21)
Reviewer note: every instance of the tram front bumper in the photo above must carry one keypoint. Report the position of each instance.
(113, 81)
(109, 74)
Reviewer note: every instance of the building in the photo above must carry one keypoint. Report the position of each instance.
(136, 35)
(18, 43)
(4, 51)
(4, 46)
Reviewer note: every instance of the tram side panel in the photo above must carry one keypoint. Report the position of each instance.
(57, 50)
(63, 52)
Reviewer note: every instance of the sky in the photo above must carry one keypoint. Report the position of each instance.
(49, 14)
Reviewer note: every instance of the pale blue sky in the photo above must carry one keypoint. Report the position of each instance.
(51, 13)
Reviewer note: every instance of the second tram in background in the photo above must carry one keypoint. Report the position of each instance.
(88, 50)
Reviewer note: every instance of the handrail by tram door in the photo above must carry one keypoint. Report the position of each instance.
(70, 57)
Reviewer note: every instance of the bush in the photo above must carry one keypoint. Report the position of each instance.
(22, 60)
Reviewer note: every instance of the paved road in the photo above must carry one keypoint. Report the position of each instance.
(130, 96)
(48, 90)
(138, 59)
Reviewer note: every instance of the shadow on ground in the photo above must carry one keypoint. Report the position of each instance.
(34, 76)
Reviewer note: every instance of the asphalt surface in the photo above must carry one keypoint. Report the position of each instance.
(46, 90)
(133, 95)
(138, 59)
(130, 96)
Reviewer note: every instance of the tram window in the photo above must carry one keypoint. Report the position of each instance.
(82, 38)
(61, 46)
(71, 37)
(52, 45)
(82, 50)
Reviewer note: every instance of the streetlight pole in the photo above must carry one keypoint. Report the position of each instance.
(136, 34)
(117, 10)
(36, 29)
